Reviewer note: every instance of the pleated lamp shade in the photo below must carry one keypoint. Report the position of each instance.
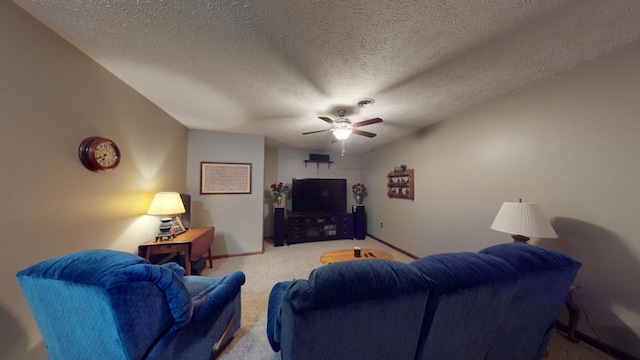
(523, 219)
(166, 203)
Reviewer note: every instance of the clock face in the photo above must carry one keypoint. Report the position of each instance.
(106, 155)
(99, 154)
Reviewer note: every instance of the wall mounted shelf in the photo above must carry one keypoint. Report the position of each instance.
(318, 162)
(400, 184)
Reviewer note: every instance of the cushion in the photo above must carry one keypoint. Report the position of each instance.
(350, 282)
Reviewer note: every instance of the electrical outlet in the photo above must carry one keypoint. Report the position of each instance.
(381, 225)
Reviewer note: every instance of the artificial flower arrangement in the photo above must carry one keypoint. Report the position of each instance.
(359, 189)
(279, 189)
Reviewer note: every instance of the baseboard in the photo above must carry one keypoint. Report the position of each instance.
(393, 247)
(607, 349)
(235, 255)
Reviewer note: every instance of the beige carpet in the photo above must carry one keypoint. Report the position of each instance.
(296, 262)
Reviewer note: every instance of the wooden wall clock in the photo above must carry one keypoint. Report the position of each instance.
(99, 154)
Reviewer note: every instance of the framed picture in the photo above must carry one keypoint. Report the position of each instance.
(177, 227)
(225, 178)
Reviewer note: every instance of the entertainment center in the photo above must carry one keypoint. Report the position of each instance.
(321, 226)
(319, 211)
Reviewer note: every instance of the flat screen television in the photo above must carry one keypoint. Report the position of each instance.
(318, 195)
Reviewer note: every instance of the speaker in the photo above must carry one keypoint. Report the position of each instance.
(318, 157)
(278, 227)
(186, 217)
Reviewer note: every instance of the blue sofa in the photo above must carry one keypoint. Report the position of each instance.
(114, 305)
(500, 303)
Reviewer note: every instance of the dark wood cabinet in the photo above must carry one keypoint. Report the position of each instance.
(317, 227)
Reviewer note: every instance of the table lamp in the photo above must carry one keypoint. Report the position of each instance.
(168, 205)
(522, 221)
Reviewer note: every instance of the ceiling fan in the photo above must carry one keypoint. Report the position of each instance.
(342, 127)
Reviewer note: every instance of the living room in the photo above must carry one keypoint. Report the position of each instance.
(569, 142)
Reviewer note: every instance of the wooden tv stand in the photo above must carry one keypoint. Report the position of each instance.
(319, 226)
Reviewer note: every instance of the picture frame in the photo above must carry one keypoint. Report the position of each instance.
(177, 227)
(225, 178)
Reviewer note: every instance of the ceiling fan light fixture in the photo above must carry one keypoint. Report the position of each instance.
(342, 134)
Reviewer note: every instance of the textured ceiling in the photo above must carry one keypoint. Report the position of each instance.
(273, 67)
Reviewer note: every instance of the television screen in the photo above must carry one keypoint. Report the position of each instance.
(318, 195)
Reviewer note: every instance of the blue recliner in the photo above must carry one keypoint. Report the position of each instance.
(467, 305)
(113, 305)
(357, 310)
(545, 276)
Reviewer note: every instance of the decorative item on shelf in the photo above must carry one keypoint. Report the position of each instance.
(278, 190)
(522, 221)
(359, 190)
(168, 205)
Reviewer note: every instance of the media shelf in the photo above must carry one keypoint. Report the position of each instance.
(318, 162)
(317, 227)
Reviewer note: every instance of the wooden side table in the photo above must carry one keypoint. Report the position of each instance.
(192, 244)
(574, 314)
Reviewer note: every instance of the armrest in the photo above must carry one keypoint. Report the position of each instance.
(220, 292)
(174, 290)
(179, 270)
(273, 314)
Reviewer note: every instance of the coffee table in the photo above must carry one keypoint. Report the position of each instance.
(347, 254)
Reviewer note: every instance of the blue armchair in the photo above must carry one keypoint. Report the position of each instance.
(117, 305)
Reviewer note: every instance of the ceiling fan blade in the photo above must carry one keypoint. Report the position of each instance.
(364, 133)
(318, 131)
(367, 122)
(326, 119)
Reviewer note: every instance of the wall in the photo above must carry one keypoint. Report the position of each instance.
(237, 217)
(284, 164)
(271, 166)
(570, 143)
(52, 96)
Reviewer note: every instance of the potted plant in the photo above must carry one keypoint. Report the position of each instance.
(359, 190)
(278, 190)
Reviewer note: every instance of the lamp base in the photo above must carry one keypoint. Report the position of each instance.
(165, 229)
(520, 239)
